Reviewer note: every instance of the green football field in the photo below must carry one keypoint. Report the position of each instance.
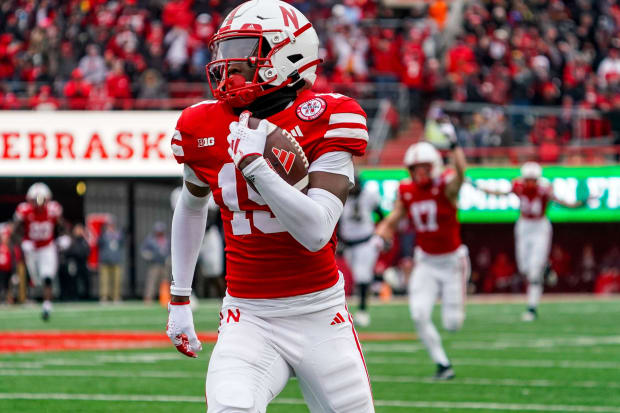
(567, 361)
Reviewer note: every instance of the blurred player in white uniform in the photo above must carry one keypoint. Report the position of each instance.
(355, 230)
(36, 220)
(533, 230)
(441, 263)
(284, 313)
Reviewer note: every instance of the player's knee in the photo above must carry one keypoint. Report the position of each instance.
(420, 315)
(231, 397)
(453, 322)
(47, 281)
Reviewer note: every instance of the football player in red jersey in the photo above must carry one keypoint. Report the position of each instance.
(441, 262)
(533, 230)
(284, 312)
(36, 221)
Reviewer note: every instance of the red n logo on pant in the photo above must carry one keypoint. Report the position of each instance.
(234, 316)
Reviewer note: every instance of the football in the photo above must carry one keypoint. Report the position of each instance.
(284, 155)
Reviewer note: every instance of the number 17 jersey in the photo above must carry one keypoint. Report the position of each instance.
(262, 259)
(432, 214)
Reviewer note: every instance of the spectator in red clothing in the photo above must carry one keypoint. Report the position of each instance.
(385, 51)
(549, 151)
(413, 60)
(8, 51)
(608, 281)
(44, 100)
(560, 261)
(118, 85)
(501, 275)
(460, 57)
(178, 13)
(77, 91)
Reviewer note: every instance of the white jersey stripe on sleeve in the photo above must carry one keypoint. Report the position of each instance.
(347, 118)
(347, 133)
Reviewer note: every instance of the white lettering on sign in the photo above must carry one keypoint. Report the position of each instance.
(602, 192)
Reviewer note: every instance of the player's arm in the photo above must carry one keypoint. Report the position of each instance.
(310, 218)
(188, 227)
(492, 191)
(460, 163)
(567, 204)
(386, 228)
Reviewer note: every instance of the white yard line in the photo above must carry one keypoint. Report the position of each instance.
(496, 382)
(289, 401)
(501, 344)
(149, 358)
(529, 363)
(98, 360)
(375, 379)
(78, 310)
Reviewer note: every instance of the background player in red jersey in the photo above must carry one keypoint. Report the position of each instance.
(36, 221)
(284, 313)
(533, 230)
(441, 262)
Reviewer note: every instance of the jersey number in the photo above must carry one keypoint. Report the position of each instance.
(424, 215)
(533, 207)
(40, 230)
(263, 221)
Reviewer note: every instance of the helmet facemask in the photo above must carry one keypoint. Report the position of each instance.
(240, 58)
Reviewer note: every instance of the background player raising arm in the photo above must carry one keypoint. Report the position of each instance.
(423, 172)
(531, 174)
(441, 264)
(533, 231)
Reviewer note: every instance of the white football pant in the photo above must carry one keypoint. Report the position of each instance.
(42, 263)
(438, 276)
(532, 244)
(361, 259)
(255, 356)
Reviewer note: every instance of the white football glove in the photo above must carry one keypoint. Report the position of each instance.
(27, 246)
(244, 141)
(448, 130)
(180, 329)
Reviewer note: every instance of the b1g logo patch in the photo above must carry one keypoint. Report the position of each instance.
(311, 109)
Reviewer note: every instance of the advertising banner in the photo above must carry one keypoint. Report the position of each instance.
(87, 144)
(599, 186)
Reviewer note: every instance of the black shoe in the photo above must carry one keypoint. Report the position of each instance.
(45, 315)
(444, 372)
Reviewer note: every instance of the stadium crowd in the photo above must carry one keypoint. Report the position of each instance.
(98, 53)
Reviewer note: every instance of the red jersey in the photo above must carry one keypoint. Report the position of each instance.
(262, 259)
(39, 223)
(533, 200)
(432, 214)
(6, 258)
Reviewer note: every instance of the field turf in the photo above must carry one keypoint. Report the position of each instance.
(567, 361)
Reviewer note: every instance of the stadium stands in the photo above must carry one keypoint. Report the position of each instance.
(141, 54)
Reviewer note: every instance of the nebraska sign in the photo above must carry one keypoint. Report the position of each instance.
(91, 143)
